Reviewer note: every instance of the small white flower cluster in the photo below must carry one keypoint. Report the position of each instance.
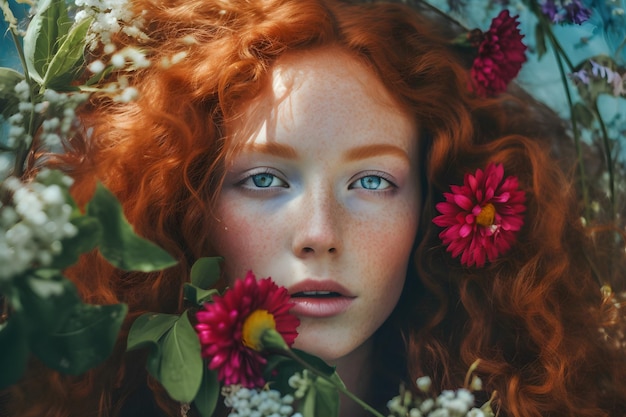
(34, 219)
(59, 110)
(245, 402)
(459, 403)
(301, 383)
(109, 17)
(56, 108)
(16, 122)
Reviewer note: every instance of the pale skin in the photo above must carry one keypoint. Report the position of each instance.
(323, 196)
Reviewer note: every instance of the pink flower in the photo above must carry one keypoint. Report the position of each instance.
(220, 328)
(481, 217)
(500, 56)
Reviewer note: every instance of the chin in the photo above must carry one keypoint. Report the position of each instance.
(319, 346)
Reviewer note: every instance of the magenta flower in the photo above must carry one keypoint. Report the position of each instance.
(500, 56)
(482, 217)
(221, 326)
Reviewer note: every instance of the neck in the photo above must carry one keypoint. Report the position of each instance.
(356, 372)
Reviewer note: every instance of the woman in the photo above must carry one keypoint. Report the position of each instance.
(311, 140)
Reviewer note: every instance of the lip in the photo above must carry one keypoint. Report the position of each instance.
(320, 307)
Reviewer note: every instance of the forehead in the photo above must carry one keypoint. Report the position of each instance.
(311, 91)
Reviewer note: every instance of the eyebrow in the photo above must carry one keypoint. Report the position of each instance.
(273, 148)
(354, 154)
(369, 151)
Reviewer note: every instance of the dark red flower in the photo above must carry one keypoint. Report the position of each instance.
(482, 217)
(220, 328)
(500, 56)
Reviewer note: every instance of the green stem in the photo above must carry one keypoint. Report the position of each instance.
(609, 159)
(339, 387)
(559, 55)
(547, 27)
(23, 147)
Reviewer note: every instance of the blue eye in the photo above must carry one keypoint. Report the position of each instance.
(263, 180)
(372, 182)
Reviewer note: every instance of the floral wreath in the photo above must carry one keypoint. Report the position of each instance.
(235, 347)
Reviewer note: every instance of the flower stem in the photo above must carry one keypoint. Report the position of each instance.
(340, 387)
(22, 147)
(609, 159)
(559, 55)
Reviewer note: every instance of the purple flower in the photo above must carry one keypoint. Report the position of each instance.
(550, 9)
(576, 12)
(570, 11)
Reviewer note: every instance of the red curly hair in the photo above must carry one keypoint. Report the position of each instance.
(532, 317)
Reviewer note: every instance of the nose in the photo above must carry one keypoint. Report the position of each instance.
(317, 232)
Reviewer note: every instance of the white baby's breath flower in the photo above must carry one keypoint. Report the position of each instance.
(300, 382)
(96, 67)
(128, 94)
(33, 224)
(476, 384)
(424, 383)
(476, 412)
(109, 48)
(246, 402)
(118, 60)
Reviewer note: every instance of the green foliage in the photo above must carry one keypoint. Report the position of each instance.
(51, 321)
(119, 244)
(205, 272)
(321, 398)
(8, 102)
(67, 60)
(46, 32)
(208, 394)
(174, 358)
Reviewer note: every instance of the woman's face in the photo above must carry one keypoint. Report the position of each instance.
(324, 198)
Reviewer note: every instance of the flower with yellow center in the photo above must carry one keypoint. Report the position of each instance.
(481, 218)
(487, 215)
(259, 332)
(257, 323)
(256, 311)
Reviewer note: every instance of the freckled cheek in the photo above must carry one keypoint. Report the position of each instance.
(384, 245)
(245, 239)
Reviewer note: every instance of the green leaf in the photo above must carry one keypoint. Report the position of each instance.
(47, 299)
(181, 364)
(87, 238)
(59, 73)
(208, 394)
(47, 27)
(8, 101)
(308, 405)
(205, 272)
(326, 398)
(540, 40)
(120, 245)
(583, 115)
(13, 350)
(86, 338)
(315, 362)
(148, 329)
(279, 368)
(197, 295)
